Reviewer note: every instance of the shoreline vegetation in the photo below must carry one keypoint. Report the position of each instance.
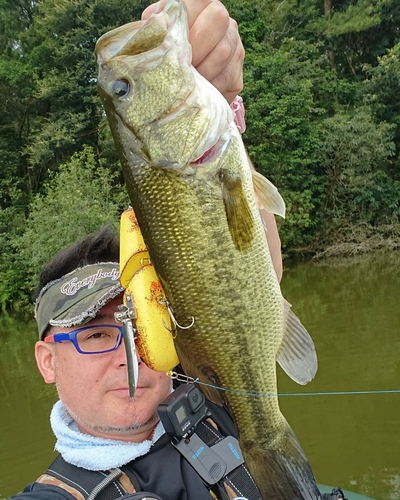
(321, 87)
(362, 240)
(353, 241)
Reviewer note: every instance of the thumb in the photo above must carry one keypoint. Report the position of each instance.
(154, 8)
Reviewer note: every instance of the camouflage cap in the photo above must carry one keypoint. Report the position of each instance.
(78, 296)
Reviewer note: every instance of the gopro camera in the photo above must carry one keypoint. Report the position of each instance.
(182, 411)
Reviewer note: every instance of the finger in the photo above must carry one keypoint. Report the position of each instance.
(227, 77)
(217, 51)
(220, 56)
(208, 22)
(208, 30)
(197, 8)
(229, 83)
(154, 8)
(193, 8)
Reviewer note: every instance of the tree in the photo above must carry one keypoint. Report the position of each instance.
(382, 90)
(16, 17)
(281, 139)
(77, 200)
(356, 153)
(321, 95)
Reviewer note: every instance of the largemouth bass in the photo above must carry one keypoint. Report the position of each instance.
(193, 192)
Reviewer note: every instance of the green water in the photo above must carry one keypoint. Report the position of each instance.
(351, 310)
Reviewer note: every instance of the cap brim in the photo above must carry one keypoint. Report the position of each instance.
(86, 309)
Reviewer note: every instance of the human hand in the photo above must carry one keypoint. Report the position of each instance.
(217, 50)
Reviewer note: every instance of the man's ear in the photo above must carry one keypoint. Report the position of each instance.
(45, 359)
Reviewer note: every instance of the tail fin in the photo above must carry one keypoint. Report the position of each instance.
(282, 472)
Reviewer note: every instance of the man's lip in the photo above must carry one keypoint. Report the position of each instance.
(125, 388)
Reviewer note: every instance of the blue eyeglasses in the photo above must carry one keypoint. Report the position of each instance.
(95, 339)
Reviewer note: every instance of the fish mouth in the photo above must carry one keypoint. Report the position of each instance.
(138, 37)
(213, 153)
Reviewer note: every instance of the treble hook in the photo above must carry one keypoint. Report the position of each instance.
(173, 319)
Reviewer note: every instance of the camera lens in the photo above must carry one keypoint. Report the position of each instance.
(196, 399)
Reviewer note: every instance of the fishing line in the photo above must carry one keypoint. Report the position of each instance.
(184, 378)
(272, 395)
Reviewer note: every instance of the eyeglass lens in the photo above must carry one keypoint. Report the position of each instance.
(97, 339)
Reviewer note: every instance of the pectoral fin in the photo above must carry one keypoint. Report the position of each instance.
(238, 213)
(267, 195)
(296, 354)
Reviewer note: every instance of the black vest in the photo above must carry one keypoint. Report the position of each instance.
(164, 471)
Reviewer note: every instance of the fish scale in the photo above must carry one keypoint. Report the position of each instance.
(241, 299)
(201, 224)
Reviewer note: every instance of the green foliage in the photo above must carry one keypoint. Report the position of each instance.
(309, 131)
(356, 18)
(282, 139)
(17, 84)
(300, 219)
(58, 110)
(13, 289)
(356, 153)
(322, 81)
(77, 200)
(16, 16)
(353, 32)
(382, 90)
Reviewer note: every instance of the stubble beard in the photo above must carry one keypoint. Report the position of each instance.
(151, 422)
(109, 429)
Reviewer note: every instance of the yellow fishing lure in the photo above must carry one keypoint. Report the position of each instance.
(154, 327)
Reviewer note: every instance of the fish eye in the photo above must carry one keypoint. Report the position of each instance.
(120, 88)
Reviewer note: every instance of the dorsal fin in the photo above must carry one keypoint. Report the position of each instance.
(268, 196)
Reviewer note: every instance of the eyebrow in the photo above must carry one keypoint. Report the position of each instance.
(104, 316)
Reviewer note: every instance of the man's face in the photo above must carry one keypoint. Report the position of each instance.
(94, 387)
